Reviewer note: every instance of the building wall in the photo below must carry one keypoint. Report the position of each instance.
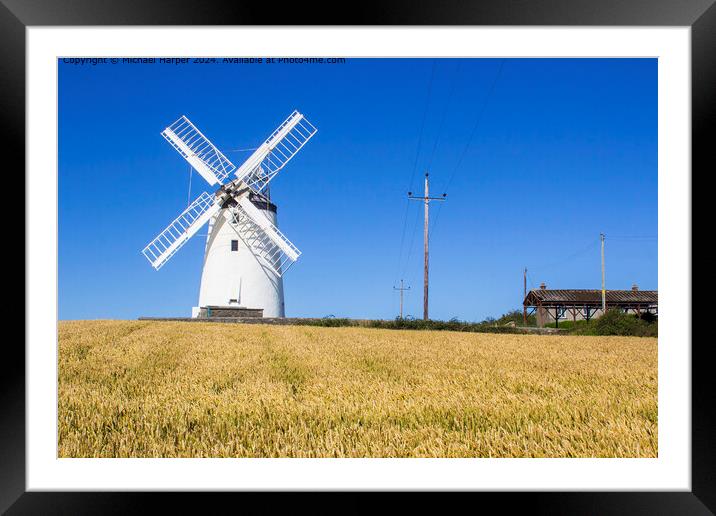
(237, 278)
(546, 316)
(213, 313)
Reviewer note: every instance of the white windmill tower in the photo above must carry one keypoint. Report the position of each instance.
(246, 255)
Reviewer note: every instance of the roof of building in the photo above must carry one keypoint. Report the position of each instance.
(590, 297)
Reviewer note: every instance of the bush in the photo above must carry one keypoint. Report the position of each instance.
(515, 316)
(327, 321)
(615, 322)
(648, 317)
(412, 324)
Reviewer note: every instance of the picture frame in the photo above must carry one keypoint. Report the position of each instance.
(16, 16)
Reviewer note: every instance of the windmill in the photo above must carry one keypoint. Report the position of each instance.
(246, 255)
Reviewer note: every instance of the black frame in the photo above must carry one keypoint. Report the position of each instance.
(700, 15)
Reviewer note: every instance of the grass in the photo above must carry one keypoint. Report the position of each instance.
(172, 389)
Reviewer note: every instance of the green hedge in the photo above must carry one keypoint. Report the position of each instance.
(615, 322)
(412, 324)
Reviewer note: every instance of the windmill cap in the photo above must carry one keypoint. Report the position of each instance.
(262, 203)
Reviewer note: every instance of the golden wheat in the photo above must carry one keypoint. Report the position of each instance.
(172, 389)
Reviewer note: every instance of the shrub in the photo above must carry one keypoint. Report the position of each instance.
(515, 316)
(615, 322)
(326, 321)
(414, 324)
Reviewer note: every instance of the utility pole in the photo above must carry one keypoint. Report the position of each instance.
(401, 296)
(604, 292)
(524, 288)
(426, 200)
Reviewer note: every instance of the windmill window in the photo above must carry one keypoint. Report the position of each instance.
(234, 245)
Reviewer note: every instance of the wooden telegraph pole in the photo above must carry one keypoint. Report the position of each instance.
(524, 289)
(401, 296)
(604, 292)
(426, 200)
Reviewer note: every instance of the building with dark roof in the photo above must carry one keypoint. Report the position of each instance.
(576, 304)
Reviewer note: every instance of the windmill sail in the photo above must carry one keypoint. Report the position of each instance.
(272, 250)
(169, 241)
(263, 237)
(278, 149)
(198, 151)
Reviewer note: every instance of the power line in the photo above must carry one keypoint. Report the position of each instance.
(415, 163)
(633, 237)
(440, 130)
(472, 135)
(445, 110)
(412, 240)
(530, 280)
(402, 236)
(569, 257)
(422, 124)
(477, 123)
(580, 252)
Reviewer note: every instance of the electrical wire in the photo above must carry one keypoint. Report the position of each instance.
(477, 123)
(567, 258)
(633, 237)
(579, 253)
(445, 110)
(412, 241)
(470, 138)
(530, 281)
(422, 124)
(439, 135)
(415, 165)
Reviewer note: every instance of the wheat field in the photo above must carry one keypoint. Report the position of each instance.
(173, 389)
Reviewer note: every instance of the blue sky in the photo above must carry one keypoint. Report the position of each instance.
(537, 158)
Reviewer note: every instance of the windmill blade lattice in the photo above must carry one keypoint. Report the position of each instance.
(278, 149)
(176, 234)
(265, 240)
(198, 151)
(260, 234)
